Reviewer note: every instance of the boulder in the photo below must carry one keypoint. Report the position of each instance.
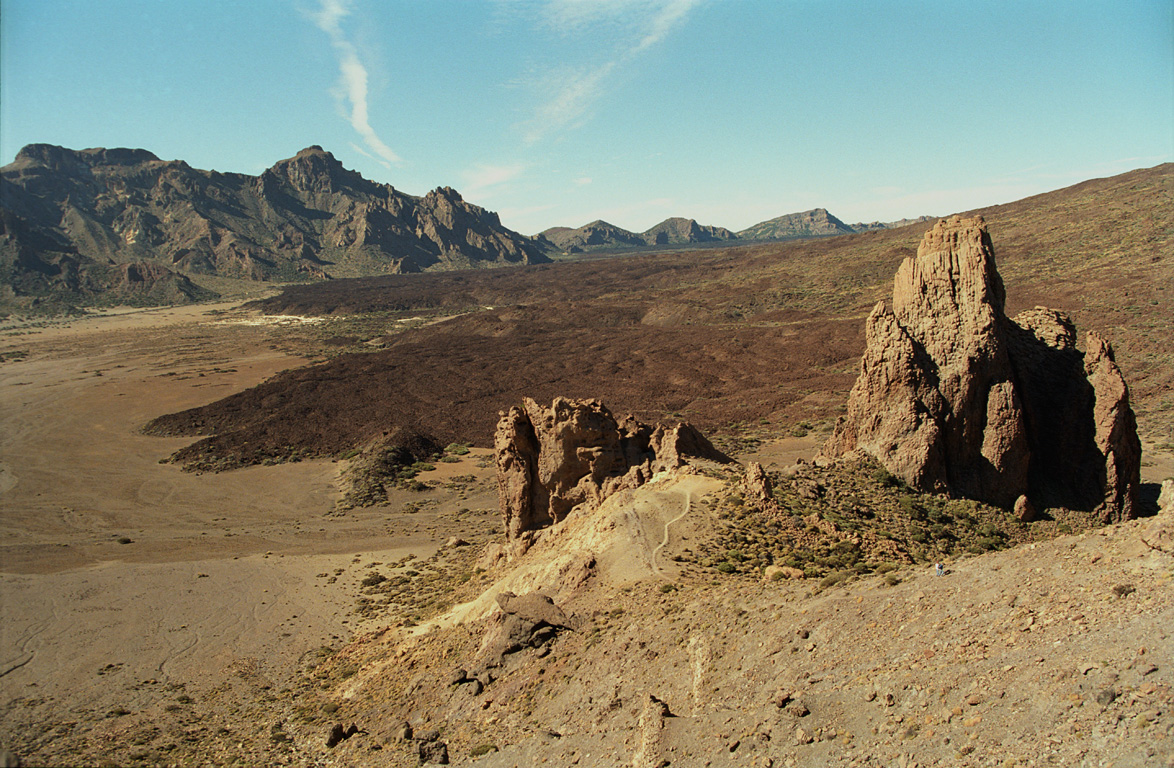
(955, 397)
(527, 621)
(551, 460)
(758, 488)
(1024, 510)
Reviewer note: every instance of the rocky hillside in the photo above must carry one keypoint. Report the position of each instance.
(594, 236)
(813, 223)
(108, 224)
(678, 230)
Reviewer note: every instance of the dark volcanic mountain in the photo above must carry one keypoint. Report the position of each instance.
(792, 226)
(82, 225)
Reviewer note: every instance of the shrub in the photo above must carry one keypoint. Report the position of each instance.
(887, 479)
(482, 749)
(832, 579)
(726, 567)
(373, 579)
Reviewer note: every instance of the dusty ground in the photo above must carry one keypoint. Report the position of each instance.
(129, 586)
(155, 616)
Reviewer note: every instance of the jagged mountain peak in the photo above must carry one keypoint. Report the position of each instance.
(306, 217)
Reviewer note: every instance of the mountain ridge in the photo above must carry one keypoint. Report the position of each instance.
(72, 220)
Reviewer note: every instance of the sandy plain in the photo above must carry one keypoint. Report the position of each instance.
(126, 582)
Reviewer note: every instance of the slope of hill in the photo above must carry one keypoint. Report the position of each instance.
(596, 235)
(872, 226)
(676, 230)
(70, 218)
(731, 339)
(814, 223)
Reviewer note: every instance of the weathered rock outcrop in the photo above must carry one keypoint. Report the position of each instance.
(551, 460)
(955, 397)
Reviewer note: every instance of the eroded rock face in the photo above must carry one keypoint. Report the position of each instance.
(550, 460)
(955, 397)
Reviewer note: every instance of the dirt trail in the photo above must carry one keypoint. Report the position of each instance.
(664, 541)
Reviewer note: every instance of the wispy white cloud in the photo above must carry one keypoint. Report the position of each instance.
(574, 93)
(352, 80)
(582, 181)
(484, 176)
(633, 25)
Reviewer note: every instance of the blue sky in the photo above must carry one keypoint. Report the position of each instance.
(558, 112)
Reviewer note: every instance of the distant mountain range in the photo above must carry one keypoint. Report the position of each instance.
(121, 225)
(103, 226)
(601, 236)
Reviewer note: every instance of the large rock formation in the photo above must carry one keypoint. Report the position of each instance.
(72, 219)
(551, 460)
(955, 397)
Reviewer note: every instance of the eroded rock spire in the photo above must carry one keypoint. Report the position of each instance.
(955, 397)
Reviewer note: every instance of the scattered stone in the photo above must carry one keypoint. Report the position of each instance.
(1106, 696)
(339, 734)
(432, 752)
(802, 736)
(455, 541)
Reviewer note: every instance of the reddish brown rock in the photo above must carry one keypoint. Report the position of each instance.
(551, 460)
(1024, 510)
(935, 401)
(1116, 432)
(955, 397)
(759, 491)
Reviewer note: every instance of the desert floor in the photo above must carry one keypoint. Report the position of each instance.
(127, 584)
(123, 579)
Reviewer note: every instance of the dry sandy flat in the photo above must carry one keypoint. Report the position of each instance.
(124, 580)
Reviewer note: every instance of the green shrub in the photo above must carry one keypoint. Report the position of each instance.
(482, 749)
(833, 579)
(726, 566)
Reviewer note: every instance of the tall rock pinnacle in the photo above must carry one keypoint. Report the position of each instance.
(955, 397)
